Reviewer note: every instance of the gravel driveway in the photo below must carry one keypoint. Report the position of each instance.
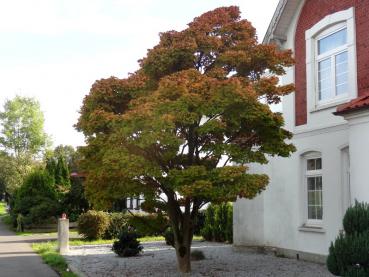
(159, 260)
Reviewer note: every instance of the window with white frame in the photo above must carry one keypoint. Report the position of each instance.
(332, 64)
(314, 190)
(331, 61)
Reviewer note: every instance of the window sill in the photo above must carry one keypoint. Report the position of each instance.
(312, 229)
(329, 105)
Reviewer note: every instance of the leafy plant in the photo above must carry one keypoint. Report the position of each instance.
(148, 224)
(92, 225)
(127, 245)
(117, 223)
(218, 223)
(349, 253)
(36, 200)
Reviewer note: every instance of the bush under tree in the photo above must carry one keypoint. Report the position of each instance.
(92, 225)
(117, 223)
(349, 253)
(127, 245)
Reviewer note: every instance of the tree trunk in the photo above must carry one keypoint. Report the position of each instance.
(183, 253)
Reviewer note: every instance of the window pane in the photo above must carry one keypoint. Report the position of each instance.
(318, 163)
(318, 198)
(341, 73)
(332, 41)
(318, 181)
(324, 79)
(311, 183)
(311, 198)
(311, 212)
(311, 164)
(319, 213)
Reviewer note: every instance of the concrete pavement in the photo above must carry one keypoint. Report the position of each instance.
(17, 259)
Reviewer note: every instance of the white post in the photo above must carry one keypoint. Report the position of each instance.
(63, 235)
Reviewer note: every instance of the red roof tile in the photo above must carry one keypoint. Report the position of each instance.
(359, 103)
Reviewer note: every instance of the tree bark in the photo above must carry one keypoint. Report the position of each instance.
(183, 253)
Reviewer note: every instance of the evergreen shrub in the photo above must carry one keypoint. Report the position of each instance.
(218, 225)
(36, 200)
(349, 253)
(127, 245)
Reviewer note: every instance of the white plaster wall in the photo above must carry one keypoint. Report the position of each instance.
(359, 155)
(275, 217)
(282, 206)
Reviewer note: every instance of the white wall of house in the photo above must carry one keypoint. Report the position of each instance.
(359, 154)
(278, 217)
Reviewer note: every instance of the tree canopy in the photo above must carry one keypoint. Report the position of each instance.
(182, 129)
(22, 124)
(22, 138)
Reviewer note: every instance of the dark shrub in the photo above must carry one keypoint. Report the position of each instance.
(127, 245)
(349, 253)
(209, 223)
(169, 236)
(356, 218)
(93, 224)
(199, 223)
(75, 202)
(148, 224)
(36, 200)
(118, 222)
(218, 223)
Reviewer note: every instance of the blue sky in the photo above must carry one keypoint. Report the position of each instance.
(54, 50)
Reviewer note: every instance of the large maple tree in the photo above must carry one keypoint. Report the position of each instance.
(182, 129)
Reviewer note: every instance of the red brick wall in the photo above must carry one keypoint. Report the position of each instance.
(312, 12)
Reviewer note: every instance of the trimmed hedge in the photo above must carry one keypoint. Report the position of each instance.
(92, 225)
(148, 224)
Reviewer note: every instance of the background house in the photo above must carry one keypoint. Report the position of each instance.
(301, 211)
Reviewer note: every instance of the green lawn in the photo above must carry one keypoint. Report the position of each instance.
(2, 209)
(48, 253)
(4, 216)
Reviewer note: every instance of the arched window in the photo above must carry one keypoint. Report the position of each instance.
(331, 60)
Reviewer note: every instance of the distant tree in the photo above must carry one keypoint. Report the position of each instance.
(181, 130)
(22, 123)
(62, 176)
(22, 136)
(69, 154)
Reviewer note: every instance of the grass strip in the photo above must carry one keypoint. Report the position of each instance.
(79, 242)
(48, 253)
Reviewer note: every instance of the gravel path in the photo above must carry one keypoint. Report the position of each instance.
(159, 260)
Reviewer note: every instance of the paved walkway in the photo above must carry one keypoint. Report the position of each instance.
(17, 259)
